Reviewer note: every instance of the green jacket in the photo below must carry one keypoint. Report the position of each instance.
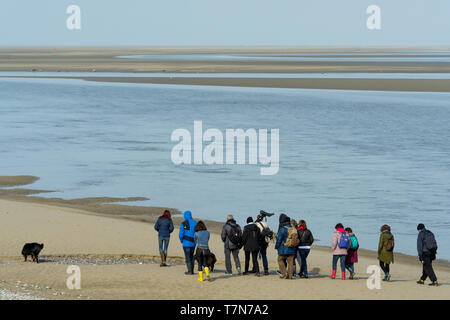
(384, 255)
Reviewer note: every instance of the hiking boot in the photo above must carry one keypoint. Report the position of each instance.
(208, 277)
(245, 273)
(434, 284)
(266, 272)
(257, 274)
(387, 277)
(333, 274)
(282, 276)
(420, 282)
(352, 276)
(229, 273)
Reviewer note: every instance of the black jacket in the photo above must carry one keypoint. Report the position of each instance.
(250, 236)
(305, 237)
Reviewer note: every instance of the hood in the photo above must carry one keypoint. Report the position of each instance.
(187, 215)
(284, 218)
(231, 222)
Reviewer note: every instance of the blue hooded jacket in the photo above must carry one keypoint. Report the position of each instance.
(187, 233)
(281, 239)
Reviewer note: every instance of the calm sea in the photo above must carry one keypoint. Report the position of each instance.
(357, 157)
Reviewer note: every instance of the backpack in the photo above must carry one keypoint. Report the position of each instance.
(292, 238)
(430, 241)
(235, 236)
(344, 241)
(354, 243)
(390, 245)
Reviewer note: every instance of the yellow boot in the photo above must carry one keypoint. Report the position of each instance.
(200, 276)
(207, 274)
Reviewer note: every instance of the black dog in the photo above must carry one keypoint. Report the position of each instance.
(211, 261)
(33, 250)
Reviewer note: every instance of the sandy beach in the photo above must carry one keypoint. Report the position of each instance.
(118, 259)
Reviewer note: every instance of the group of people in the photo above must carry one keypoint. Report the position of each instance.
(293, 243)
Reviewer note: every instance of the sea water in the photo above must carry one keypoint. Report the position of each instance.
(363, 158)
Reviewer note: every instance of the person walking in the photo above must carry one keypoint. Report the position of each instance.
(306, 239)
(286, 245)
(201, 238)
(164, 226)
(186, 236)
(265, 236)
(352, 253)
(386, 250)
(426, 249)
(232, 237)
(250, 238)
(339, 247)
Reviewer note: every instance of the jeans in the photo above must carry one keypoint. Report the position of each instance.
(163, 244)
(427, 269)
(384, 267)
(302, 254)
(235, 253)
(202, 258)
(254, 255)
(340, 257)
(189, 254)
(350, 267)
(263, 252)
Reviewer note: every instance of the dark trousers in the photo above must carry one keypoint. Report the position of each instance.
(384, 267)
(189, 254)
(265, 263)
(228, 253)
(427, 268)
(302, 254)
(254, 260)
(202, 258)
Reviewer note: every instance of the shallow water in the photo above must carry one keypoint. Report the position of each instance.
(356, 157)
(443, 56)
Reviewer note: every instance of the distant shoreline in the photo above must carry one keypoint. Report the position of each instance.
(104, 59)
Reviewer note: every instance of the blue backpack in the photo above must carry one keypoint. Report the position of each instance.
(344, 241)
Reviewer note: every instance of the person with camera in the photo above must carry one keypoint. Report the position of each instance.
(265, 236)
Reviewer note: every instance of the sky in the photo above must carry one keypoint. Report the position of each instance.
(226, 22)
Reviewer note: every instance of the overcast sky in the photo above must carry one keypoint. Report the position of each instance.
(226, 22)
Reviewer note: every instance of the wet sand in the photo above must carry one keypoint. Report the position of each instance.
(118, 259)
(103, 59)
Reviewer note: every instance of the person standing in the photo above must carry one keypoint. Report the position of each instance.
(386, 250)
(186, 236)
(352, 253)
(286, 247)
(202, 252)
(250, 238)
(339, 246)
(164, 226)
(265, 235)
(426, 249)
(306, 239)
(232, 238)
